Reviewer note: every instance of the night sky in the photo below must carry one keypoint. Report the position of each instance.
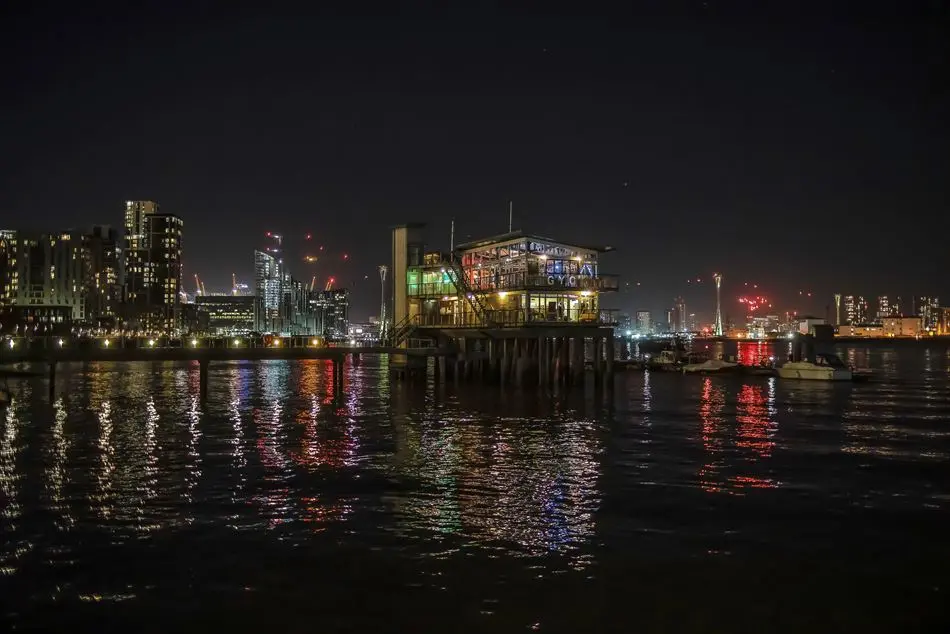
(799, 146)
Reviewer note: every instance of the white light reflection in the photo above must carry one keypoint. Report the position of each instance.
(193, 470)
(55, 472)
(106, 469)
(9, 487)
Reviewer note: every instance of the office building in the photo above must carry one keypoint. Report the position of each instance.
(644, 324)
(225, 315)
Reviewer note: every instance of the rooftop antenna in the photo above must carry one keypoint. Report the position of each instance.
(511, 211)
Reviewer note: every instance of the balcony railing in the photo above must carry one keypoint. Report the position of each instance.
(519, 281)
(518, 317)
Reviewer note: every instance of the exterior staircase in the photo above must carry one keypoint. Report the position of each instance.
(462, 286)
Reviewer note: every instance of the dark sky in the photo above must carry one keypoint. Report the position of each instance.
(799, 146)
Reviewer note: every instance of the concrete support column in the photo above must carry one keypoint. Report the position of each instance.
(598, 360)
(577, 363)
(609, 354)
(542, 358)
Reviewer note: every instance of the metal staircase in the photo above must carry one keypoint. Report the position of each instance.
(401, 331)
(462, 286)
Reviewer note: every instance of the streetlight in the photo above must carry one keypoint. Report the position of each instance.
(237, 342)
(60, 343)
(194, 343)
(106, 343)
(151, 343)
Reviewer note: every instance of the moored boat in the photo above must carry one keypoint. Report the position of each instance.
(825, 367)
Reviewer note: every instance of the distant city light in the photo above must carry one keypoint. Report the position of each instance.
(314, 342)
(151, 343)
(237, 342)
(106, 343)
(60, 343)
(194, 343)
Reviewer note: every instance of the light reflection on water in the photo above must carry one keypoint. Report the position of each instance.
(432, 476)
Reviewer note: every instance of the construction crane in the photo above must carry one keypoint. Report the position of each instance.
(234, 284)
(313, 283)
(197, 286)
(329, 284)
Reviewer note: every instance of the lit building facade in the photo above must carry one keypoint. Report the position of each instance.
(902, 326)
(644, 323)
(103, 287)
(45, 270)
(855, 310)
(929, 310)
(331, 309)
(679, 315)
(268, 293)
(225, 315)
(510, 280)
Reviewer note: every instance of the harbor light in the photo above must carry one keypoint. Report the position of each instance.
(60, 343)
(237, 342)
(194, 343)
(106, 343)
(151, 343)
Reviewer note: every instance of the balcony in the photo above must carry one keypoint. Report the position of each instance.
(566, 283)
(517, 318)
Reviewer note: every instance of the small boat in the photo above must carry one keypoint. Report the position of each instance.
(709, 366)
(666, 361)
(825, 367)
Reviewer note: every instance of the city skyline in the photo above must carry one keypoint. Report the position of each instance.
(695, 137)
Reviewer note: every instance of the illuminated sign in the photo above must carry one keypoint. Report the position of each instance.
(540, 248)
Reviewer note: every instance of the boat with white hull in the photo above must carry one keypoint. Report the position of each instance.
(825, 367)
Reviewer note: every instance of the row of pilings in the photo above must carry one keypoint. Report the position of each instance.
(523, 361)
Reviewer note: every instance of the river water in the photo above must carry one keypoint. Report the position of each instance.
(678, 504)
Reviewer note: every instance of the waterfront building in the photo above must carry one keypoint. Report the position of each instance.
(644, 325)
(512, 279)
(152, 267)
(153, 276)
(225, 315)
(883, 307)
(904, 326)
(861, 330)
(47, 270)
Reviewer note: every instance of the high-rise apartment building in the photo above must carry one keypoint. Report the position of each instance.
(644, 323)
(135, 253)
(855, 310)
(103, 287)
(268, 291)
(332, 313)
(928, 308)
(44, 270)
(680, 317)
(152, 263)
